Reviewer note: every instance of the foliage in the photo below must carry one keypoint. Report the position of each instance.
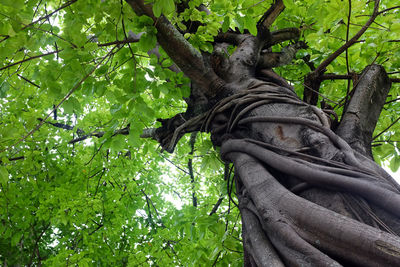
(115, 199)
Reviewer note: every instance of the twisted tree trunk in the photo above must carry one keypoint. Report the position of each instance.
(317, 201)
(309, 193)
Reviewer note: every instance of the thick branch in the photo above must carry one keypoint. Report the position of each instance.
(280, 36)
(275, 59)
(272, 13)
(189, 60)
(257, 244)
(359, 120)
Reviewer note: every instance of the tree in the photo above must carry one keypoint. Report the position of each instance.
(83, 81)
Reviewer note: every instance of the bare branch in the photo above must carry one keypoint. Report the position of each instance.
(284, 35)
(130, 39)
(216, 206)
(29, 58)
(333, 56)
(190, 168)
(27, 80)
(387, 128)
(313, 80)
(388, 9)
(272, 13)
(123, 131)
(333, 76)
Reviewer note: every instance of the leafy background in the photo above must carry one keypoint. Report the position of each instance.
(117, 199)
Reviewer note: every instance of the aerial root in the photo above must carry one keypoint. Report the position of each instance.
(293, 249)
(256, 243)
(324, 238)
(378, 194)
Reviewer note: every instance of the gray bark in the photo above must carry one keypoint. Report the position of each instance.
(360, 118)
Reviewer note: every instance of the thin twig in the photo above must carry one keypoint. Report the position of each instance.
(387, 128)
(62, 101)
(334, 55)
(45, 17)
(347, 57)
(30, 58)
(27, 80)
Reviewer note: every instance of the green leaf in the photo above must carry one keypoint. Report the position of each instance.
(157, 8)
(226, 24)
(118, 143)
(134, 138)
(394, 163)
(102, 70)
(17, 4)
(15, 239)
(3, 175)
(148, 41)
(4, 87)
(250, 24)
(168, 6)
(239, 21)
(72, 105)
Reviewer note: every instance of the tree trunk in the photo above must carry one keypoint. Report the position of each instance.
(309, 196)
(317, 201)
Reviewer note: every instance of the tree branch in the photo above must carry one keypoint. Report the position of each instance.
(275, 59)
(360, 118)
(280, 36)
(272, 13)
(190, 167)
(123, 131)
(189, 60)
(29, 58)
(130, 39)
(313, 79)
(216, 206)
(66, 4)
(332, 57)
(387, 128)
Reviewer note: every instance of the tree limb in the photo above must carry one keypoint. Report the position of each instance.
(189, 60)
(123, 131)
(272, 13)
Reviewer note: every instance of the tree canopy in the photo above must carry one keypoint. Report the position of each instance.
(81, 81)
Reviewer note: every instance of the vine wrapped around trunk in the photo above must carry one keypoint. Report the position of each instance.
(309, 196)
